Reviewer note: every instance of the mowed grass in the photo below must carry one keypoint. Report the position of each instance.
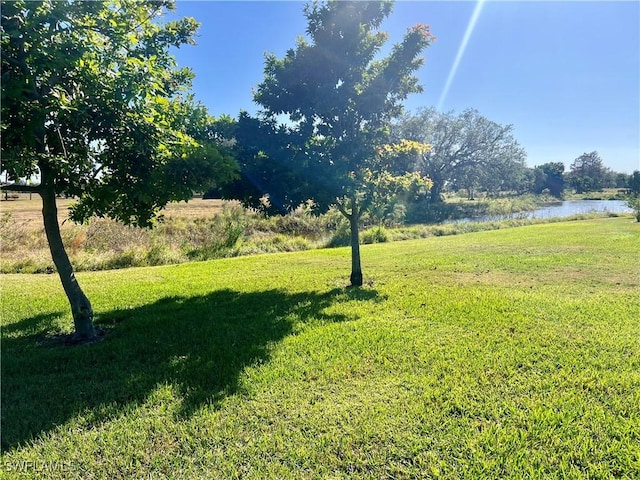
(501, 354)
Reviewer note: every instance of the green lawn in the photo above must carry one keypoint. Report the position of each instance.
(501, 354)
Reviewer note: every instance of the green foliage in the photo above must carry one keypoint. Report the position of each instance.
(463, 359)
(267, 179)
(219, 234)
(339, 112)
(549, 176)
(92, 102)
(377, 234)
(634, 203)
(634, 183)
(467, 150)
(588, 173)
(103, 244)
(338, 97)
(341, 237)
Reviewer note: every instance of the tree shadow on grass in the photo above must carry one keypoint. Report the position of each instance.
(38, 324)
(199, 345)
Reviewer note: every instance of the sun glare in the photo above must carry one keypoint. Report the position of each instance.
(463, 46)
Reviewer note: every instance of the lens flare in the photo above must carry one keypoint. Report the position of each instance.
(463, 46)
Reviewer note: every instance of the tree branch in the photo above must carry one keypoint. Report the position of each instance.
(342, 210)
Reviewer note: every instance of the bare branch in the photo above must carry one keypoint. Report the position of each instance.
(343, 211)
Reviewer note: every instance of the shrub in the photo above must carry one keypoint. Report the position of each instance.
(208, 238)
(130, 258)
(375, 235)
(634, 204)
(341, 237)
(161, 254)
(273, 244)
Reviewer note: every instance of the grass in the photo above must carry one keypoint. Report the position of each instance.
(603, 194)
(499, 354)
(199, 230)
(456, 207)
(209, 229)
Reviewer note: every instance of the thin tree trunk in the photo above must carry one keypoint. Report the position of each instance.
(470, 193)
(80, 305)
(356, 268)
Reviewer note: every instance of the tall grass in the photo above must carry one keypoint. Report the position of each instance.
(456, 208)
(104, 244)
(232, 231)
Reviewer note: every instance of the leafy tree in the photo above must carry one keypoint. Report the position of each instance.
(338, 99)
(497, 175)
(633, 201)
(634, 204)
(549, 176)
(622, 180)
(91, 106)
(270, 178)
(588, 173)
(634, 183)
(467, 149)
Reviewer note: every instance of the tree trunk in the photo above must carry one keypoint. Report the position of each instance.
(470, 193)
(435, 194)
(80, 305)
(356, 268)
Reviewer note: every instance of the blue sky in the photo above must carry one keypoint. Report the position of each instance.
(565, 74)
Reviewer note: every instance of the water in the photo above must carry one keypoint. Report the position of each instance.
(561, 209)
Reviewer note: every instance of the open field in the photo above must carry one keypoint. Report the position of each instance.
(187, 230)
(500, 354)
(27, 210)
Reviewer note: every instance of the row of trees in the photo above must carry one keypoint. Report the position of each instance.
(471, 153)
(466, 152)
(94, 105)
(587, 173)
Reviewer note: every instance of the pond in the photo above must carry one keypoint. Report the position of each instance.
(561, 209)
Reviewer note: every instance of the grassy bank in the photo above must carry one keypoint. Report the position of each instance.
(499, 354)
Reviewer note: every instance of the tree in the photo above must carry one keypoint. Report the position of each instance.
(621, 180)
(270, 179)
(549, 176)
(91, 105)
(338, 99)
(467, 149)
(634, 183)
(588, 173)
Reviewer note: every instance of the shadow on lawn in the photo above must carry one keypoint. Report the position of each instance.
(200, 345)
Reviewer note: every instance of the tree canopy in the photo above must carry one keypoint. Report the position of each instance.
(90, 104)
(634, 183)
(334, 98)
(466, 149)
(549, 176)
(588, 173)
(94, 105)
